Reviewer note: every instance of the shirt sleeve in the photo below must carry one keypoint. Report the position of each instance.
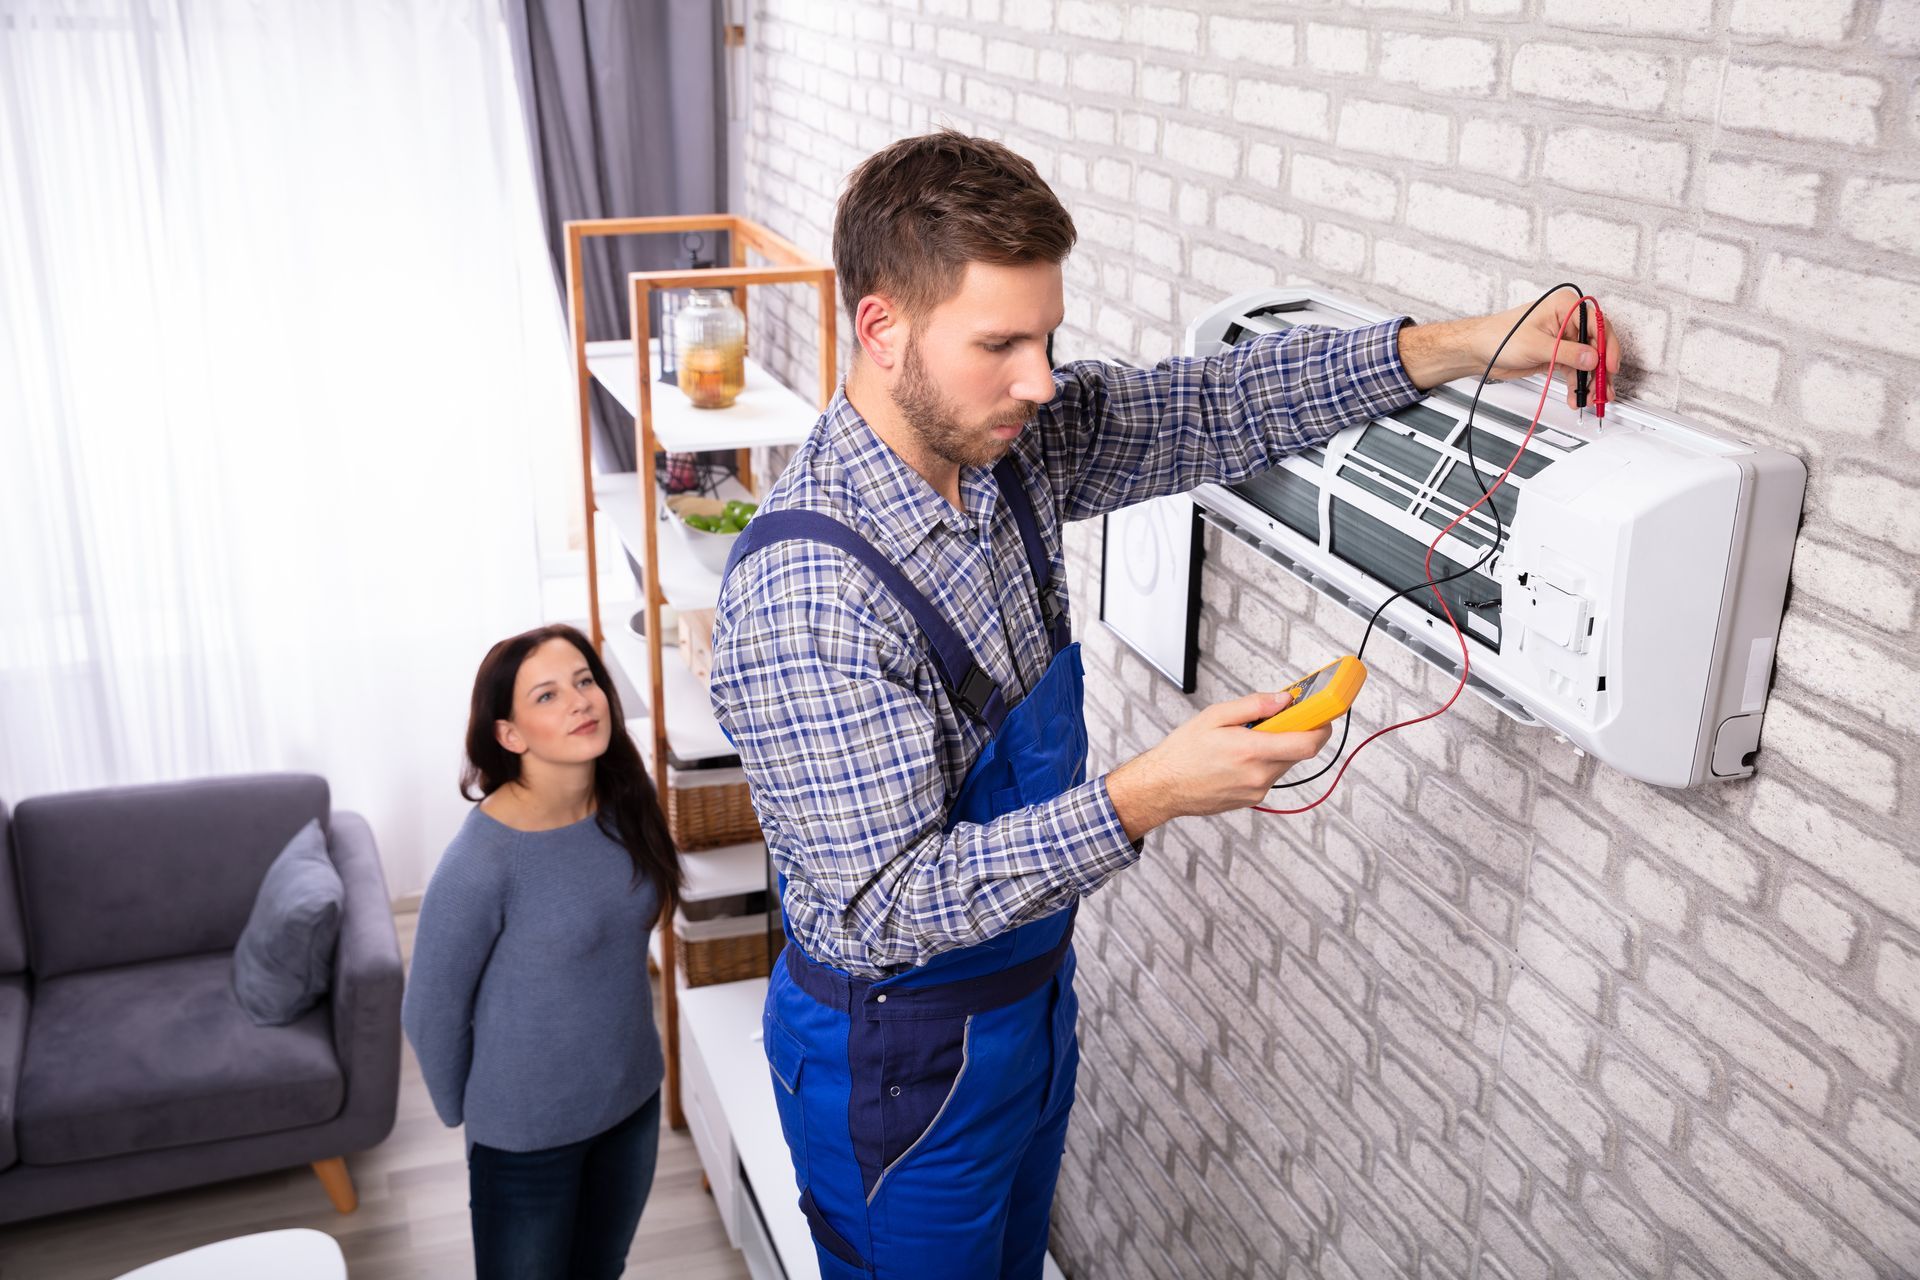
(837, 724)
(1115, 435)
(460, 919)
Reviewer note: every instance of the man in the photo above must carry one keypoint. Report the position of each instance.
(892, 661)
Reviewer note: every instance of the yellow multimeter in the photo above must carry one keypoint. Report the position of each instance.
(1321, 698)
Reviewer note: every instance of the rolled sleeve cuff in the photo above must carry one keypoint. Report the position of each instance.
(1376, 378)
(1098, 843)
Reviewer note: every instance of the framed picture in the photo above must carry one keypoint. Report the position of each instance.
(1150, 584)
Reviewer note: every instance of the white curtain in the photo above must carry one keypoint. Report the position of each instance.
(279, 357)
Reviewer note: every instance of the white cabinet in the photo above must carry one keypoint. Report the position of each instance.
(727, 1093)
(708, 1126)
(756, 1240)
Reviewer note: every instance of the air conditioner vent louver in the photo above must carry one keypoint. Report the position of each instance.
(1426, 421)
(1384, 553)
(1414, 462)
(1493, 452)
(1487, 412)
(1380, 487)
(1288, 496)
(1477, 529)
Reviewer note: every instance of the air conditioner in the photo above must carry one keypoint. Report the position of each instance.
(1635, 598)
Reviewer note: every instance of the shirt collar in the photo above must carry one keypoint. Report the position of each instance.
(901, 506)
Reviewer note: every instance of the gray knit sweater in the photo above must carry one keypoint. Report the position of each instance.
(528, 1005)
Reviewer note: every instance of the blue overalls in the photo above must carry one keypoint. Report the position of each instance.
(926, 1112)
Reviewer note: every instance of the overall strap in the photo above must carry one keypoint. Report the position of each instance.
(971, 688)
(1014, 490)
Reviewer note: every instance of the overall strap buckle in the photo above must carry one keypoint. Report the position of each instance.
(974, 691)
(1050, 610)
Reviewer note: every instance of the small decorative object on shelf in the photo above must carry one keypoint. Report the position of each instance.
(681, 475)
(679, 472)
(709, 526)
(710, 337)
(667, 303)
(696, 472)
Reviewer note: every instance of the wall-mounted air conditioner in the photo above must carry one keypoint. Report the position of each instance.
(1634, 601)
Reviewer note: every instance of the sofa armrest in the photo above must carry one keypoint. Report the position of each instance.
(367, 976)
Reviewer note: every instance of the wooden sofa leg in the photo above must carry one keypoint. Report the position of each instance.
(338, 1182)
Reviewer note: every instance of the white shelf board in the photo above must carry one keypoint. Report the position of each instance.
(725, 1020)
(767, 413)
(692, 732)
(685, 582)
(725, 872)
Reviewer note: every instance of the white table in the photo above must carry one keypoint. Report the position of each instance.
(297, 1254)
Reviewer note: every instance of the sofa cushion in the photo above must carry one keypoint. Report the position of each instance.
(129, 874)
(13, 1044)
(13, 927)
(284, 962)
(160, 1055)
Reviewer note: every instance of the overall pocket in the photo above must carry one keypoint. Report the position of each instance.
(824, 1234)
(787, 1059)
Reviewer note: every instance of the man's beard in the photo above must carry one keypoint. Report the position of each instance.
(936, 424)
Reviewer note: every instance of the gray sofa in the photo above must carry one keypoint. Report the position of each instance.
(126, 1065)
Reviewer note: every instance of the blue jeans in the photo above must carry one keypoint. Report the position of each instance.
(564, 1213)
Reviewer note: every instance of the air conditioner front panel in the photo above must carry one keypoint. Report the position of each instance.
(1647, 563)
(1772, 491)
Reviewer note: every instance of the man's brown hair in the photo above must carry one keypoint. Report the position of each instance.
(916, 213)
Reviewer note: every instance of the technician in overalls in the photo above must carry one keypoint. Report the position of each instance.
(893, 663)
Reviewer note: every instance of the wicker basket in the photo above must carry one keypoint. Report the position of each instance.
(710, 815)
(731, 949)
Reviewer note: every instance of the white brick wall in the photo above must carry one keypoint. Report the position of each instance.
(1619, 80)
(1493, 1011)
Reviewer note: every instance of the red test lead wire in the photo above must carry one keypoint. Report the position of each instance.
(1602, 383)
(1466, 661)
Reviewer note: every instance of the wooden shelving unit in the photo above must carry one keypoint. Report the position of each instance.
(676, 732)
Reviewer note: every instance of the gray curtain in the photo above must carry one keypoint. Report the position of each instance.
(626, 113)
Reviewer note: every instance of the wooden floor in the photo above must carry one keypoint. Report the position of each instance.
(412, 1219)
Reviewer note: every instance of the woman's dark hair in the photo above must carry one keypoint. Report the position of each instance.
(626, 807)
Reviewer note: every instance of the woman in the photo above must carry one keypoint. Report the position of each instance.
(529, 1006)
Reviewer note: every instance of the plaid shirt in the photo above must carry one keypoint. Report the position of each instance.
(853, 748)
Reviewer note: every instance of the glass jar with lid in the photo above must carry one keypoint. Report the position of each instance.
(710, 341)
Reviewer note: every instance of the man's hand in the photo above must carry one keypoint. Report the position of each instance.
(1437, 353)
(1210, 764)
